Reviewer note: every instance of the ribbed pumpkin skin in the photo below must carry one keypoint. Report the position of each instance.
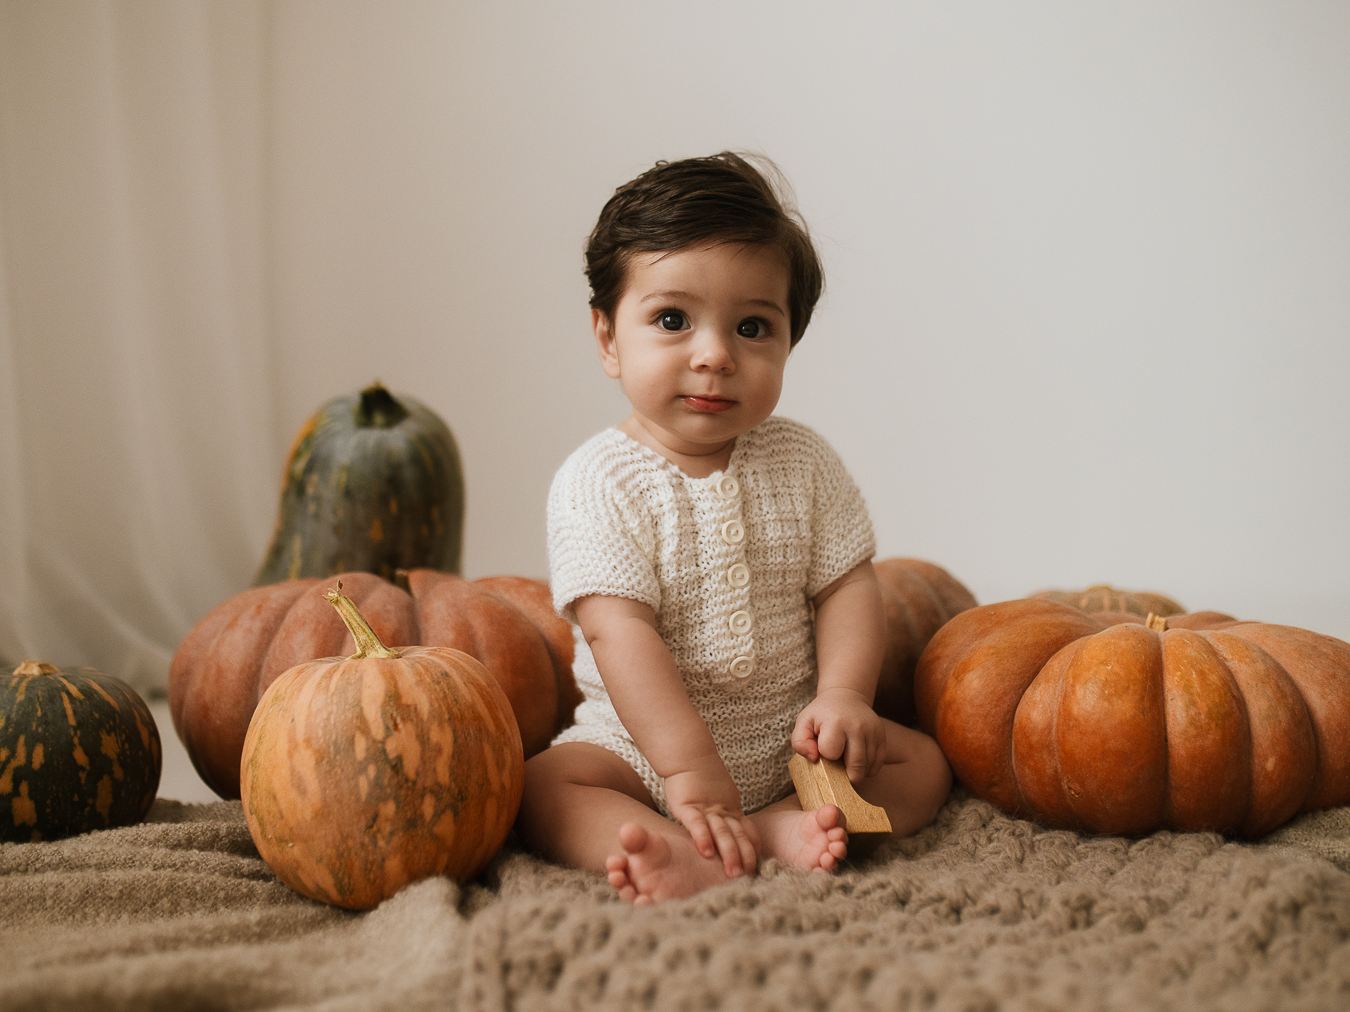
(373, 483)
(1104, 598)
(1054, 715)
(79, 751)
(237, 650)
(919, 598)
(361, 775)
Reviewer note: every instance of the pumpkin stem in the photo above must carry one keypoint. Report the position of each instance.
(37, 668)
(1158, 623)
(368, 644)
(378, 408)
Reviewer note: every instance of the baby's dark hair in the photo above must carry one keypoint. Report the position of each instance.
(700, 202)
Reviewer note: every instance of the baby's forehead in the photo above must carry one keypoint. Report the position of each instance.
(713, 251)
(723, 271)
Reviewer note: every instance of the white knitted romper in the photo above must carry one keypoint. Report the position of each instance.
(729, 564)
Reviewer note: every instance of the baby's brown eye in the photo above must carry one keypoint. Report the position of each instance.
(751, 328)
(671, 320)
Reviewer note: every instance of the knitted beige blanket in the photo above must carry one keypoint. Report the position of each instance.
(976, 912)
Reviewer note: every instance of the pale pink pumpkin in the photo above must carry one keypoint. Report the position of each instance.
(362, 774)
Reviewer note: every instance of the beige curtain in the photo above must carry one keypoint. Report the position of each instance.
(1085, 319)
(134, 384)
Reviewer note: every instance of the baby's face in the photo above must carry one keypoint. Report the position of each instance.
(699, 340)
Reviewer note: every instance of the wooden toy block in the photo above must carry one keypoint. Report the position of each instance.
(826, 783)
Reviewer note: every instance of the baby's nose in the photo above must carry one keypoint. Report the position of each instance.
(712, 351)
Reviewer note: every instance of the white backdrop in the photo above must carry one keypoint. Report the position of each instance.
(1087, 314)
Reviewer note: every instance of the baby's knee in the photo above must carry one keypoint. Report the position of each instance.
(581, 764)
(927, 772)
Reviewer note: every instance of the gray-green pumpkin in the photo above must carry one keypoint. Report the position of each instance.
(79, 751)
(373, 483)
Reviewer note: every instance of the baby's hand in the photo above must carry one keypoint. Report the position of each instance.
(840, 723)
(705, 801)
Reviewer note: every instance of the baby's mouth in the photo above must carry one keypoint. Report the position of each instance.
(708, 404)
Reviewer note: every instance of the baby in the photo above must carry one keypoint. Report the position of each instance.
(717, 561)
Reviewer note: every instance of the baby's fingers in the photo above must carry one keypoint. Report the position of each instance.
(804, 738)
(833, 742)
(699, 831)
(878, 758)
(727, 834)
(856, 762)
(747, 845)
(875, 763)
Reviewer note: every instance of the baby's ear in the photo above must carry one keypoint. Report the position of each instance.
(605, 342)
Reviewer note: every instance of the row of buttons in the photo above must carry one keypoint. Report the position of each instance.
(733, 533)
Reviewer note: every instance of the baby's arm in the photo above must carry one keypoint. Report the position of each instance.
(850, 644)
(647, 692)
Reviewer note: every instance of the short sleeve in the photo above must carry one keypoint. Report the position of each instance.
(600, 538)
(841, 530)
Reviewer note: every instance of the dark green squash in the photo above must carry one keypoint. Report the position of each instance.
(79, 751)
(373, 484)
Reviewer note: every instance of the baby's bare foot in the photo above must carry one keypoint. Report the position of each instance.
(655, 867)
(813, 841)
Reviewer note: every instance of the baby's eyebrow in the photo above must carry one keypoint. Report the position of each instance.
(767, 304)
(668, 294)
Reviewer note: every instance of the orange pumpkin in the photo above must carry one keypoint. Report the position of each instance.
(1193, 722)
(362, 774)
(237, 650)
(1105, 598)
(919, 598)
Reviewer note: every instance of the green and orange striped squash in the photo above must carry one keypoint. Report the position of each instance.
(1107, 724)
(79, 751)
(373, 483)
(362, 774)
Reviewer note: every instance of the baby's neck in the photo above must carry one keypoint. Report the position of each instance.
(694, 465)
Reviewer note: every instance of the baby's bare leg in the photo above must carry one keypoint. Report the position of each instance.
(585, 807)
(914, 782)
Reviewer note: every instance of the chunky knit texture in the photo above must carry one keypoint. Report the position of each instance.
(729, 564)
(974, 912)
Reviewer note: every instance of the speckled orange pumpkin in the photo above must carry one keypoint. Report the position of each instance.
(362, 774)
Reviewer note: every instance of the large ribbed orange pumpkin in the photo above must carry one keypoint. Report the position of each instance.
(234, 653)
(362, 774)
(1192, 722)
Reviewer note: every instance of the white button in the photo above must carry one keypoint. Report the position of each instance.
(733, 533)
(727, 487)
(742, 666)
(738, 575)
(741, 622)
